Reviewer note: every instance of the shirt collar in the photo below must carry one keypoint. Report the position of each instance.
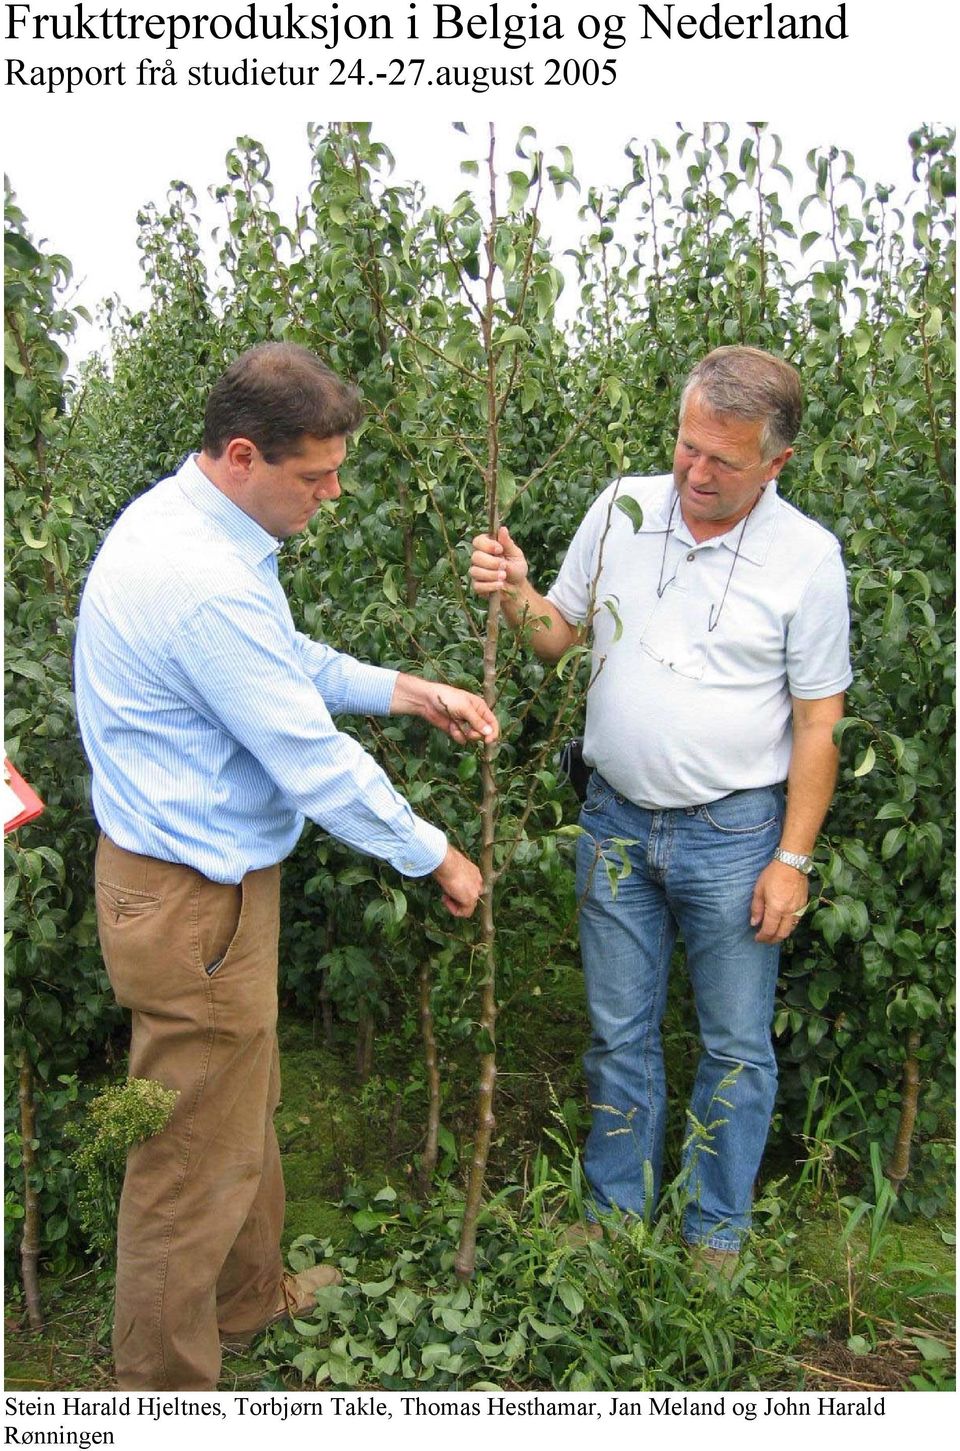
(757, 536)
(252, 542)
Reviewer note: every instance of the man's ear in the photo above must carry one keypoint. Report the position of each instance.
(776, 464)
(240, 455)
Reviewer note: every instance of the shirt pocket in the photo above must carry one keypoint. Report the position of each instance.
(675, 632)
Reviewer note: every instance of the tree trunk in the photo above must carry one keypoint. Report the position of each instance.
(326, 1012)
(900, 1159)
(365, 1047)
(30, 1246)
(428, 1162)
(467, 1251)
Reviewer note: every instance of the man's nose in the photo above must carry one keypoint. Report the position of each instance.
(699, 470)
(331, 487)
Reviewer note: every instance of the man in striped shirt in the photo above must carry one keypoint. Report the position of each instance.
(208, 721)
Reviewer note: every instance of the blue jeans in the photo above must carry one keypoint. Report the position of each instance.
(693, 870)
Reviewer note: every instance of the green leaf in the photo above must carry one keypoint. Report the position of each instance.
(922, 1001)
(930, 1349)
(387, 1364)
(484, 1043)
(406, 1305)
(389, 586)
(30, 669)
(571, 1297)
(867, 762)
(819, 992)
(467, 767)
(399, 902)
(446, 1142)
(816, 1028)
(513, 334)
(862, 342)
(633, 511)
(541, 1328)
(441, 1357)
(611, 604)
(519, 190)
(373, 1289)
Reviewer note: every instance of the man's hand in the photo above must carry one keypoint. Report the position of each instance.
(458, 713)
(460, 882)
(496, 564)
(779, 899)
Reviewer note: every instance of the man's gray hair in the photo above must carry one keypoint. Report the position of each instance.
(749, 383)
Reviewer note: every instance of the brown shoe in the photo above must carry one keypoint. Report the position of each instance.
(713, 1264)
(297, 1295)
(578, 1236)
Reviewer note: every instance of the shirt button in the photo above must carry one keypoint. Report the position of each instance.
(691, 558)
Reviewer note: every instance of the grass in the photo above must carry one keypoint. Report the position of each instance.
(833, 1293)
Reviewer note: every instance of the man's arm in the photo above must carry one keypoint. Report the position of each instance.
(781, 892)
(499, 564)
(352, 687)
(233, 663)
(458, 713)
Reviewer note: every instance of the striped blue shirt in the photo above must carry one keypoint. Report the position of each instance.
(206, 716)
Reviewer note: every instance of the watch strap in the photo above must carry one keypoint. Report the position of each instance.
(795, 859)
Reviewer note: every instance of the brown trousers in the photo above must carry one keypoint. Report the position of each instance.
(198, 1245)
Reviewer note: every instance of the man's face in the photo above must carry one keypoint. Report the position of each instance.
(718, 467)
(283, 497)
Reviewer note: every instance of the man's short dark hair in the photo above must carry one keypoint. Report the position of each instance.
(274, 395)
(750, 383)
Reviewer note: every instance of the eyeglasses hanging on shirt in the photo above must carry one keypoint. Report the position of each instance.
(713, 619)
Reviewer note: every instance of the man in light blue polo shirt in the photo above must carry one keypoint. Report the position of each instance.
(717, 677)
(208, 720)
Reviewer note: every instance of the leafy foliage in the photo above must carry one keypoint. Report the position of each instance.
(59, 1009)
(854, 285)
(117, 1119)
(626, 1313)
